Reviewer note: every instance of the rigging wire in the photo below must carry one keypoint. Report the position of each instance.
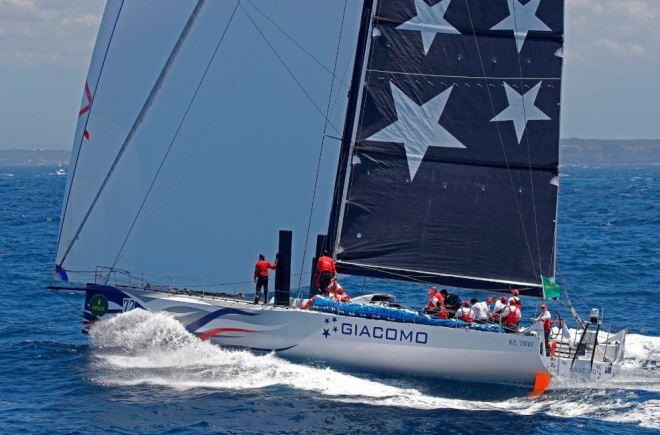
(501, 141)
(178, 129)
(286, 67)
(299, 45)
(75, 308)
(82, 137)
(320, 158)
(529, 151)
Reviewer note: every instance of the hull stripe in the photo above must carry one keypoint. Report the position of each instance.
(194, 326)
(208, 334)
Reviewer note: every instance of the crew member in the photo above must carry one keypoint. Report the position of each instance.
(325, 270)
(510, 317)
(436, 304)
(546, 318)
(435, 300)
(500, 305)
(516, 297)
(261, 277)
(452, 302)
(465, 313)
(480, 309)
(336, 291)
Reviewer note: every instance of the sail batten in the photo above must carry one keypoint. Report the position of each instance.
(452, 172)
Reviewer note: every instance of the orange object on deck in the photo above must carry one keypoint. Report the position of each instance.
(553, 348)
(541, 383)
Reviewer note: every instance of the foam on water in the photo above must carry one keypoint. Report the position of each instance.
(141, 348)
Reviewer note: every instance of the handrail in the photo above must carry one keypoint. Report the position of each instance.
(577, 348)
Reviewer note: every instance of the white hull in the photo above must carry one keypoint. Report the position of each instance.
(374, 345)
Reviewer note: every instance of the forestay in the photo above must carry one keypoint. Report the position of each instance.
(210, 173)
(451, 169)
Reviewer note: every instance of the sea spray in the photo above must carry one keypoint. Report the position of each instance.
(141, 348)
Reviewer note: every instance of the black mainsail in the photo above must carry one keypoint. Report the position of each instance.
(449, 166)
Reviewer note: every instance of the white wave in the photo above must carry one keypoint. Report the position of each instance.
(141, 348)
(641, 351)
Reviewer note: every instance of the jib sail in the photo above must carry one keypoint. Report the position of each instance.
(449, 167)
(197, 140)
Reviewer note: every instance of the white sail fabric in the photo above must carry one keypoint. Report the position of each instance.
(242, 165)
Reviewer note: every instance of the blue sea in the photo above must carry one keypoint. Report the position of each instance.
(143, 373)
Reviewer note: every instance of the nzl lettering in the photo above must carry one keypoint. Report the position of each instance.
(392, 334)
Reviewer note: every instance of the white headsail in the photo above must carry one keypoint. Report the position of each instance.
(218, 163)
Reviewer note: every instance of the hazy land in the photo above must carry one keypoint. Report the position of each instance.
(572, 152)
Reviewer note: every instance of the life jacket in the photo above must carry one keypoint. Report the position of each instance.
(465, 314)
(514, 315)
(435, 302)
(442, 313)
(553, 348)
(547, 324)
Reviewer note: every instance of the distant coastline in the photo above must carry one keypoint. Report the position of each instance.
(572, 152)
(609, 152)
(35, 157)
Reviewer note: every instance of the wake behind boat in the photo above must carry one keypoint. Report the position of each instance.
(447, 174)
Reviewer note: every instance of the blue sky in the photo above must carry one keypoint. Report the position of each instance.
(611, 82)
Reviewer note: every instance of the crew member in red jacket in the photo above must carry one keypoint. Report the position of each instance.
(261, 277)
(325, 271)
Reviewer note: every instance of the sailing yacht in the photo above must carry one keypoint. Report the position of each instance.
(447, 174)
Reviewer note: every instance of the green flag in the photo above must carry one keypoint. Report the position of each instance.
(551, 289)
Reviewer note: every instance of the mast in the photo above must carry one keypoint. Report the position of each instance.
(352, 114)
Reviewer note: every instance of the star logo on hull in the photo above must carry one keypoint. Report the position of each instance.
(417, 127)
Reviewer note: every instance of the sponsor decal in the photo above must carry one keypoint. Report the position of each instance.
(378, 332)
(381, 333)
(98, 305)
(128, 304)
(520, 342)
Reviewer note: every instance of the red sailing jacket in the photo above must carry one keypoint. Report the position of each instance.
(326, 264)
(261, 268)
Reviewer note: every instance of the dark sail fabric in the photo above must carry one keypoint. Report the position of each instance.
(452, 169)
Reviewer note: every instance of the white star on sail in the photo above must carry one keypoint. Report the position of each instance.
(417, 127)
(521, 109)
(522, 19)
(429, 21)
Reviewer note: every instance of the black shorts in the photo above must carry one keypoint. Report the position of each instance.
(262, 282)
(324, 281)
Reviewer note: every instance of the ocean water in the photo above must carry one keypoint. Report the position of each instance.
(141, 372)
